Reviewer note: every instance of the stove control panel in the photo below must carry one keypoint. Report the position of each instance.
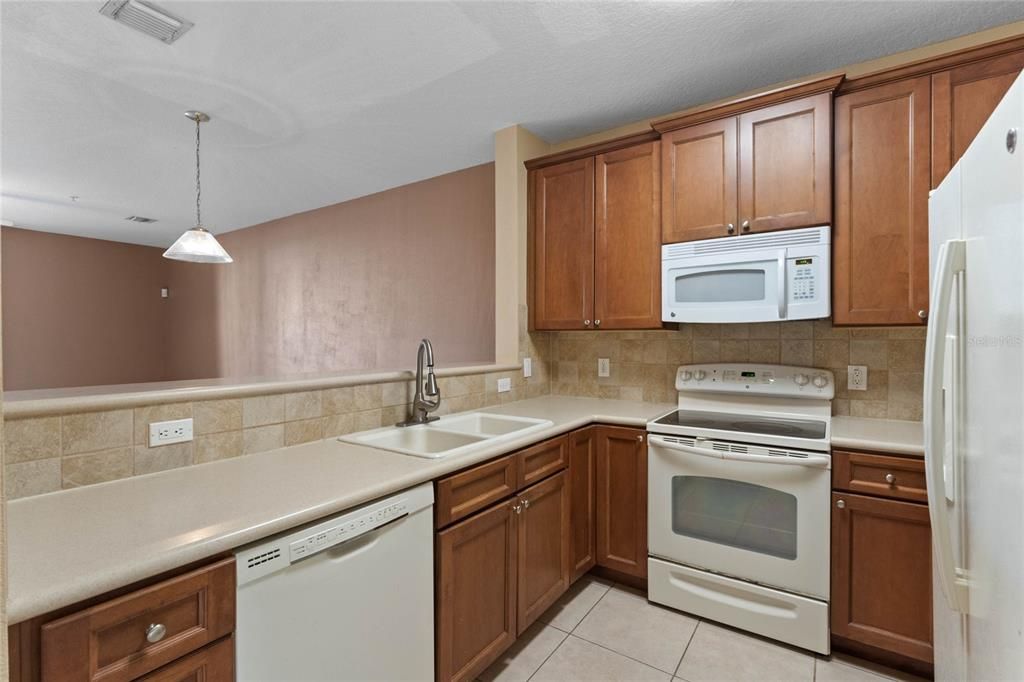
(776, 380)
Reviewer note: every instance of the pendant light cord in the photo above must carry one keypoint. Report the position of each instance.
(199, 189)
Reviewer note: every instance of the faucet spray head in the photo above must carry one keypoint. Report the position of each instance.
(431, 388)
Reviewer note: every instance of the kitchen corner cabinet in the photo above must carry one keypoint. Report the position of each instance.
(881, 558)
(766, 169)
(501, 567)
(595, 229)
(582, 488)
(621, 504)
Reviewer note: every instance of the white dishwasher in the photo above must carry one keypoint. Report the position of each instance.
(349, 598)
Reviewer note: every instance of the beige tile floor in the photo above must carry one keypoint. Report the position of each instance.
(603, 631)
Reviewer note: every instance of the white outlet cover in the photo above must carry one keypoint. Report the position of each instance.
(170, 432)
(603, 367)
(856, 377)
(504, 385)
(527, 367)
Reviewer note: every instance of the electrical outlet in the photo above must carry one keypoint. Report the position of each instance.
(165, 433)
(504, 385)
(603, 367)
(856, 377)
(527, 368)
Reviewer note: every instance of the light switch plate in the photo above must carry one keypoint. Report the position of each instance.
(166, 433)
(856, 377)
(527, 368)
(504, 385)
(603, 367)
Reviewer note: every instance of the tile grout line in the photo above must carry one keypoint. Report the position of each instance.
(567, 635)
(622, 655)
(687, 648)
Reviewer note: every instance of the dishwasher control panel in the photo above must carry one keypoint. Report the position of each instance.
(346, 529)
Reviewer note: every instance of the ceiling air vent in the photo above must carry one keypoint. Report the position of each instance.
(140, 219)
(148, 18)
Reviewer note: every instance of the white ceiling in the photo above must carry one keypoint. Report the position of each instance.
(318, 102)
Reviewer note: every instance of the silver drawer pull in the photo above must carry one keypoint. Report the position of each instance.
(841, 504)
(890, 479)
(155, 632)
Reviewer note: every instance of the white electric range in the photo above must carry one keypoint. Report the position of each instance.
(738, 499)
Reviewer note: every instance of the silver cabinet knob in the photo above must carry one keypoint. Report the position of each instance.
(730, 228)
(890, 479)
(597, 323)
(526, 504)
(746, 226)
(517, 508)
(640, 439)
(155, 632)
(923, 314)
(841, 504)
(586, 323)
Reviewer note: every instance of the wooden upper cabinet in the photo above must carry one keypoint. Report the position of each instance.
(698, 176)
(882, 177)
(962, 100)
(785, 165)
(563, 245)
(627, 250)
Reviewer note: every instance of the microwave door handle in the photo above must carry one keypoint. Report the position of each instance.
(781, 286)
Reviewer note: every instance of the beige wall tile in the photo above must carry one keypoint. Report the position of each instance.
(871, 352)
(144, 416)
(96, 467)
(766, 351)
(631, 350)
(869, 333)
(906, 355)
(216, 446)
(801, 329)
(23, 479)
(823, 329)
(874, 409)
(706, 331)
(765, 330)
(917, 332)
(352, 398)
(368, 419)
(906, 387)
(680, 350)
(262, 438)
(150, 460)
(798, 352)
(92, 431)
(909, 411)
(303, 431)
(401, 392)
(394, 414)
(878, 386)
(735, 331)
(656, 349)
(841, 407)
(631, 393)
(339, 424)
(27, 439)
(304, 405)
(734, 350)
(831, 353)
(706, 350)
(215, 416)
(568, 372)
(261, 410)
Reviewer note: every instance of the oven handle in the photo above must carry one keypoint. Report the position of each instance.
(811, 461)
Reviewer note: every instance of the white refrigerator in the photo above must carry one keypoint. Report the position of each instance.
(974, 404)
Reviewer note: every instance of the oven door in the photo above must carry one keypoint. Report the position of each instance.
(734, 287)
(760, 518)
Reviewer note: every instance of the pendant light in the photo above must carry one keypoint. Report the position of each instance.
(198, 245)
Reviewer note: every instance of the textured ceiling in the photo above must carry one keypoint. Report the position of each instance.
(315, 103)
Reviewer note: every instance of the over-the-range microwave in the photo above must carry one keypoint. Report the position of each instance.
(750, 278)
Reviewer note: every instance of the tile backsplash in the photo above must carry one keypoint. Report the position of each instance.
(643, 363)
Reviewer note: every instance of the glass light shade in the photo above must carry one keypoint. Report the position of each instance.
(198, 245)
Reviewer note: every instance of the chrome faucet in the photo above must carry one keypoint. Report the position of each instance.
(428, 395)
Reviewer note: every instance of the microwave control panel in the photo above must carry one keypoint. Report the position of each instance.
(803, 278)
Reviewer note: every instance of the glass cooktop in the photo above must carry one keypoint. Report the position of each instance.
(745, 423)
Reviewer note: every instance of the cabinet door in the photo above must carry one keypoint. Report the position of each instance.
(698, 176)
(215, 663)
(563, 245)
(962, 100)
(476, 592)
(544, 569)
(627, 224)
(880, 273)
(582, 468)
(785, 165)
(622, 500)
(881, 574)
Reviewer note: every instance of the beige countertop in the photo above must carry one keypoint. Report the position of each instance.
(68, 546)
(880, 435)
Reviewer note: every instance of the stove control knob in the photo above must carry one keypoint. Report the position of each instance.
(700, 375)
(801, 379)
(820, 380)
(686, 375)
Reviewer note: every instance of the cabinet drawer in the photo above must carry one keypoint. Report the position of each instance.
(541, 460)
(108, 641)
(215, 663)
(896, 477)
(471, 490)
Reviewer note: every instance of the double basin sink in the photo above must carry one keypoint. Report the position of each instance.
(456, 434)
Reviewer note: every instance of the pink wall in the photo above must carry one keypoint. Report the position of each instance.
(79, 312)
(349, 286)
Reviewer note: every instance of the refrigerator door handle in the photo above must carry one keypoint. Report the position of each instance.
(950, 261)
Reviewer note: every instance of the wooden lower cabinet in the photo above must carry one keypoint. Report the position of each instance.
(215, 663)
(543, 529)
(881, 575)
(477, 562)
(621, 504)
(582, 469)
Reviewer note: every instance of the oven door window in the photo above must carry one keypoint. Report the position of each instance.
(736, 514)
(734, 285)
